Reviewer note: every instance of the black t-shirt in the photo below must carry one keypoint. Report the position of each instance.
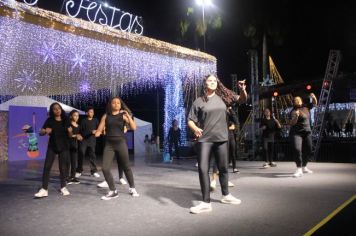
(212, 117)
(271, 127)
(174, 135)
(74, 141)
(86, 130)
(59, 138)
(303, 122)
(114, 125)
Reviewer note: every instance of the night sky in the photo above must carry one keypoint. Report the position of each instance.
(306, 31)
(299, 35)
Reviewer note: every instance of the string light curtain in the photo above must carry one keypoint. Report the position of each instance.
(46, 53)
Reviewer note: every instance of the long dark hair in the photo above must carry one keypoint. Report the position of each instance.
(123, 106)
(228, 96)
(51, 113)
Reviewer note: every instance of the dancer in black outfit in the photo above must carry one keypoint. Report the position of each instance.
(73, 147)
(88, 128)
(232, 127)
(115, 145)
(300, 134)
(269, 126)
(58, 128)
(122, 181)
(209, 111)
(174, 139)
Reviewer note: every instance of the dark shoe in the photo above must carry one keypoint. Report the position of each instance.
(273, 164)
(73, 181)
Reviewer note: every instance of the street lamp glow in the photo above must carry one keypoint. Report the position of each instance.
(204, 2)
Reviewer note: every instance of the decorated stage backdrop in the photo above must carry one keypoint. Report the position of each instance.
(24, 141)
(76, 61)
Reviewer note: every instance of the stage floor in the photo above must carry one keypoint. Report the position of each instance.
(273, 202)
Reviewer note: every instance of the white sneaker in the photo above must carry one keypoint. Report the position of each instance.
(230, 184)
(103, 184)
(298, 173)
(133, 192)
(77, 174)
(96, 175)
(306, 170)
(110, 195)
(266, 165)
(213, 185)
(229, 199)
(201, 207)
(122, 181)
(64, 191)
(41, 193)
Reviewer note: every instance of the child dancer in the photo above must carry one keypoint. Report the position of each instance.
(115, 146)
(58, 129)
(73, 150)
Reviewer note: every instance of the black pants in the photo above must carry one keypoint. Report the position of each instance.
(62, 160)
(268, 149)
(302, 147)
(176, 148)
(85, 148)
(121, 171)
(220, 151)
(232, 148)
(72, 162)
(116, 147)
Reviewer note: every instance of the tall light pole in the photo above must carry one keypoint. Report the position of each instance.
(203, 4)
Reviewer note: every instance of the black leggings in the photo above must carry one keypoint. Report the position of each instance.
(121, 171)
(116, 147)
(176, 148)
(85, 148)
(72, 163)
(220, 150)
(301, 142)
(268, 149)
(62, 160)
(232, 148)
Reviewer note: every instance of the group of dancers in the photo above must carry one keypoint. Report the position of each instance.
(67, 138)
(211, 119)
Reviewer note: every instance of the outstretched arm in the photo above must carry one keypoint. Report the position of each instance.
(101, 126)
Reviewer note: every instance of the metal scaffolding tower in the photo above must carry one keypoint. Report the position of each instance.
(324, 100)
(255, 100)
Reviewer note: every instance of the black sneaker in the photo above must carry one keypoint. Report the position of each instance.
(273, 164)
(73, 181)
(110, 195)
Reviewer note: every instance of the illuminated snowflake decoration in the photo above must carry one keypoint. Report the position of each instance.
(79, 62)
(48, 52)
(27, 81)
(84, 87)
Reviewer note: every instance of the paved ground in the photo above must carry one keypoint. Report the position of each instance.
(273, 203)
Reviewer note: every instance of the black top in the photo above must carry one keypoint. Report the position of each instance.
(232, 118)
(114, 125)
(59, 138)
(174, 135)
(271, 127)
(74, 141)
(86, 129)
(212, 118)
(303, 122)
